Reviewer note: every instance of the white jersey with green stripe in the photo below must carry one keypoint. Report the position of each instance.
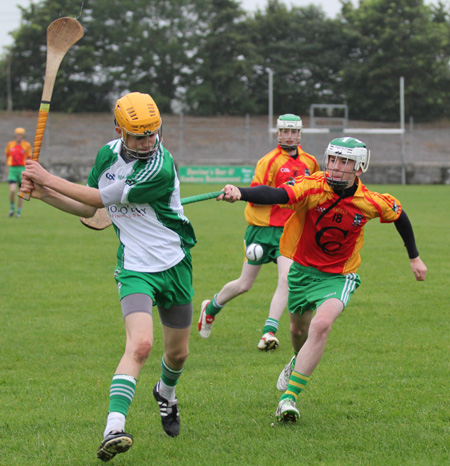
(143, 201)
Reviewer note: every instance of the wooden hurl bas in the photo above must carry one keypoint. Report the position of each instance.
(99, 221)
(61, 35)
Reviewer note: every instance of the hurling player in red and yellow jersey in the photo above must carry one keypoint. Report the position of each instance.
(17, 152)
(265, 227)
(324, 237)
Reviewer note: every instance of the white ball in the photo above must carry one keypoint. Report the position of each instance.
(254, 252)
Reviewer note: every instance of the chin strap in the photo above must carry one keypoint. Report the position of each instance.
(287, 148)
(337, 186)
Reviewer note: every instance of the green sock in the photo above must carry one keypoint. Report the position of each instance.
(19, 210)
(297, 383)
(168, 375)
(271, 325)
(121, 393)
(12, 206)
(213, 308)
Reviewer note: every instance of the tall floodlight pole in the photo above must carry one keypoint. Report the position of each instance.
(9, 102)
(270, 91)
(402, 126)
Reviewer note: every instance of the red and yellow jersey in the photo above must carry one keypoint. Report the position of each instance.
(274, 169)
(331, 243)
(17, 153)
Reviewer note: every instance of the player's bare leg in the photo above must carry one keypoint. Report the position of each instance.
(209, 309)
(311, 352)
(12, 197)
(268, 340)
(239, 286)
(139, 341)
(299, 326)
(308, 358)
(139, 332)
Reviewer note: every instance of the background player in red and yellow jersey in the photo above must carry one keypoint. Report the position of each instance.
(17, 152)
(324, 237)
(286, 162)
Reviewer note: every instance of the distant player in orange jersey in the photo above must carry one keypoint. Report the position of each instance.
(265, 227)
(323, 237)
(17, 152)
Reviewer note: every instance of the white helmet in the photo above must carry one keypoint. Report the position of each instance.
(292, 122)
(350, 149)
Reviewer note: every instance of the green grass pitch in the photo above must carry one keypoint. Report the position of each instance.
(380, 395)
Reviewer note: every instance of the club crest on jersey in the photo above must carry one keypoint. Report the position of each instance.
(291, 181)
(357, 220)
(395, 207)
(307, 172)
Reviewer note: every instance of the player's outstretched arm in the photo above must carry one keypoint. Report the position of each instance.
(262, 194)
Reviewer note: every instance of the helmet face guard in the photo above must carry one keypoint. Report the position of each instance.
(141, 146)
(289, 131)
(140, 124)
(343, 158)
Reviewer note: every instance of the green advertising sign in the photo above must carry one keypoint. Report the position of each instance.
(215, 174)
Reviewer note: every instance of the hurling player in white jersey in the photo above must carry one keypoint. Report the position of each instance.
(134, 177)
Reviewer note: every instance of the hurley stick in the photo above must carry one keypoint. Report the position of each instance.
(101, 219)
(61, 35)
(201, 197)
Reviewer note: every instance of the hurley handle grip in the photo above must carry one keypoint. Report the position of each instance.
(38, 138)
(40, 129)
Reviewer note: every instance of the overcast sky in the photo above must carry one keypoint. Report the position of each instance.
(10, 13)
(9, 19)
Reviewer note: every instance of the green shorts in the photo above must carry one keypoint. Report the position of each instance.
(167, 288)
(15, 174)
(268, 238)
(309, 288)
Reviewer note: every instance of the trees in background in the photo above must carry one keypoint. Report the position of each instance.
(386, 40)
(223, 63)
(209, 57)
(304, 49)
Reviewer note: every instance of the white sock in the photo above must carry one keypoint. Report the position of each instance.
(166, 391)
(115, 421)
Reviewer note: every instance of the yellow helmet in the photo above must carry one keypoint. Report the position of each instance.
(138, 117)
(19, 131)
